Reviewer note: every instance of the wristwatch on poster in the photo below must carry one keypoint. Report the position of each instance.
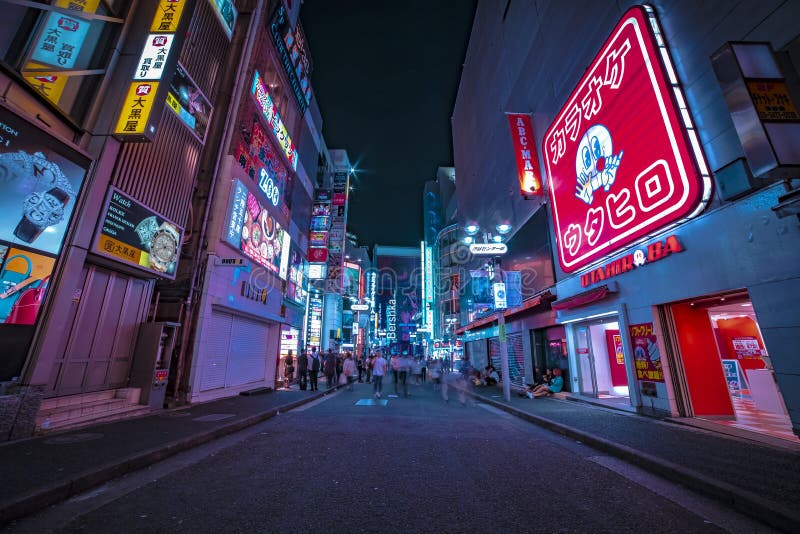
(40, 210)
(164, 247)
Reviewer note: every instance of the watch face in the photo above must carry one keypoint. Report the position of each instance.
(163, 250)
(43, 209)
(147, 229)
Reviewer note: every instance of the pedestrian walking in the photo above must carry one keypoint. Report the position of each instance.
(288, 370)
(349, 370)
(360, 365)
(370, 362)
(302, 369)
(314, 365)
(329, 368)
(403, 370)
(416, 371)
(436, 374)
(378, 370)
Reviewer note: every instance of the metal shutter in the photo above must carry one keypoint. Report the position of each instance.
(248, 352)
(214, 351)
(516, 364)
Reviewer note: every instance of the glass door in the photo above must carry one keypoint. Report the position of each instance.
(585, 356)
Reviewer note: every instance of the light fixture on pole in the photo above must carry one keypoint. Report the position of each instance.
(494, 247)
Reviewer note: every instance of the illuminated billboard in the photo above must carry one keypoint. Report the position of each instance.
(270, 112)
(622, 158)
(256, 233)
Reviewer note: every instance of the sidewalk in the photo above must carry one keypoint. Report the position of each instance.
(758, 480)
(41, 471)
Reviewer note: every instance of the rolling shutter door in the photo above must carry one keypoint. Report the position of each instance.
(516, 363)
(248, 352)
(214, 351)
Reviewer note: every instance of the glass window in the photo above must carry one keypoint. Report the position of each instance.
(62, 49)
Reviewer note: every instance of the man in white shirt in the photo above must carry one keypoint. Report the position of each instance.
(378, 370)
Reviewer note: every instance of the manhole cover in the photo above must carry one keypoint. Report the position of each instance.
(214, 417)
(73, 438)
(372, 402)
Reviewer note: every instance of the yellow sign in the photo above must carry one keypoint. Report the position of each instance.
(173, 103)
(167, 16)
(48, 85)
(772, 100)
(137, 107)
(111, 246)
(88, 6)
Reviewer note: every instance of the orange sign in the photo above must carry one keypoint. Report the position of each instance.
(137, 107)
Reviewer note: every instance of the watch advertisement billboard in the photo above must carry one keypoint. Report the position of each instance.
(256, 233)
(620, 160)
(134, 234)
(40, 180)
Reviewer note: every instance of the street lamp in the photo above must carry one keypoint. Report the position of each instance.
(499, 304)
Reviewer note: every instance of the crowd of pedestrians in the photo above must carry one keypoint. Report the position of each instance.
(346, 369)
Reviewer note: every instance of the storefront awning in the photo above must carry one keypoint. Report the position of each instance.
(582, 299)
(528, 304)
(531, 303)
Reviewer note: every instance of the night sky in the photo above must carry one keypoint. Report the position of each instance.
(385, 77)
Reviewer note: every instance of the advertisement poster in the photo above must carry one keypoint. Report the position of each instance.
(38, 188)
(254, 231)
(746, 347)
(40, 180)
(351, 281)
(297, 288)
(645, 353)
(135, 234)
(24, 277)
(185, 99)
(734, 376)
(613, 180)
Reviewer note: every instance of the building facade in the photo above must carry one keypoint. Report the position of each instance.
(675, 278)
(149, 124)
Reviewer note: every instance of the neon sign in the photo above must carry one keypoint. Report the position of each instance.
(654, 252)
(259, 92)
(622, 156)
(530, 181)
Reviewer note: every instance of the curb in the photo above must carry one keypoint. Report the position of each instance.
(743, 501)
(81, 482)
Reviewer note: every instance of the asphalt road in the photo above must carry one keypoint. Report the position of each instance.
(414, 465)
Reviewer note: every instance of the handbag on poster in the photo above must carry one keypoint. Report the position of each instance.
(26, 308)
(11, 282)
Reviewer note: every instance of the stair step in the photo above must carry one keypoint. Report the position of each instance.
(77, 410)
(82, 398)
(94, 418)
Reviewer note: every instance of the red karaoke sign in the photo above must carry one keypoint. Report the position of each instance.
(618, 158)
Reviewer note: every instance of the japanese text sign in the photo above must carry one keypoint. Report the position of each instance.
(137, 107)
(646, 353)
(167, 16)
(154, 56)
(618, 159)
(61, 40)
(260, 93)
(530, 181)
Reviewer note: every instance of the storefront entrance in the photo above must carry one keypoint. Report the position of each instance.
(601, 360)
(732, 384)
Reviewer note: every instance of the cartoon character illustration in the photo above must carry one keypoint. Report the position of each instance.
(595, 164)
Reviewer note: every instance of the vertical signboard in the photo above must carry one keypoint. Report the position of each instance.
(136, 121)
(622, 158)
(291, 45)
(528, 175)
(336, 237)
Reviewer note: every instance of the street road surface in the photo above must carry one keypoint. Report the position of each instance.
(413, 465)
